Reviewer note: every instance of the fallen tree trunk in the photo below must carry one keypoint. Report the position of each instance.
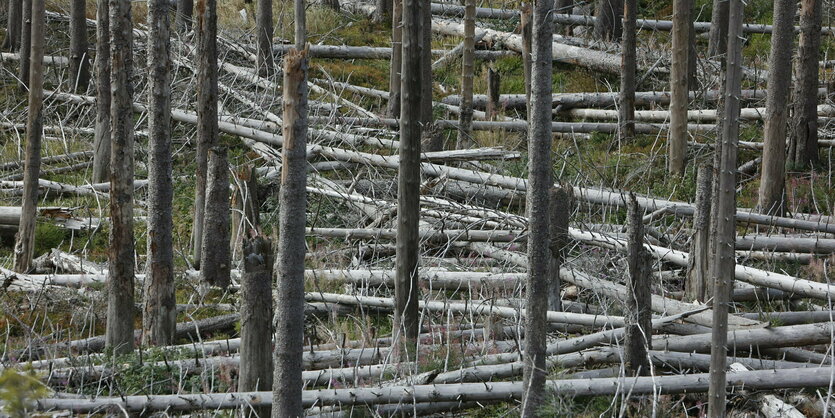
(382, 53)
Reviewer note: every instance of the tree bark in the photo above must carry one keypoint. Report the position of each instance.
(493, 89)
(216, 263)
(773, 177)
(432, 138)
(679, 86)
(697, 286)
(718, 35)
(560, 212)
(525, 30)
(13, 29)
(245, 214)
(724, 260)
(638, 338)
(803, 144)
(289, 324)
(79, 56)
(393, 109)
(608, 25)
(540, 181)
(264, 25)
(256, 371)
(185, 9)
(101, 158)
(207, 128)
(25, 241)
(465, 127)
(564, 7)
(383, 10)
(25, 44)
(628, 68)
(159, 318)
(119, 335)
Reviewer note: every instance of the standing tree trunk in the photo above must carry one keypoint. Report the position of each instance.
(692, 52)
(216, 264)
(804, 136)
(25, 242)
(25, 44)
(465, 127)
(101, 157)
(698, 275)
(256, 373)
(79, 57)
(289, 324)
(264, 23)
(638, 338)
(525, 30)
(773, 180)
(627, 77)
(383, 10)
(560, 212)
(13, 29)
(718, 36)
(493, 90)
(677, 140)
(540, 182)
(119, 335)
(431, 135)
(393, 110)
(724, 260)
(159, 318)
(564, 7)
(185, 9)
(608, 26)
(207, 130)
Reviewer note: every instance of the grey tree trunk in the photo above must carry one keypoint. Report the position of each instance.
(79, 56)
(626, 110)
(773, 177)
(256, 372)
(432, 138)
(159, 319)
(185, 9)
(638, 338)
(207, 130)
(393, 110)
(25, 240)
(692, 55)
(465, 127)
(216, 264)
(697, 286)
(119, 334)
(525, 30)
(724, 259)
(383, 11)
(803, 145)
(540, 182)
(245, 216)
(289, 324)
(25, 43)
(493, 90)
(718, 36)
(565, 7)
(13, 29)
(608, 26)
(101, 157)
(264, 24)
(560, 212)
(679, 87)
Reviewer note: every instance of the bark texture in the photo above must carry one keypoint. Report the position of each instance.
(697, 286)
(465, 120)
(256, 373)
(101, 158)
(383, 11)
(13, 30)
(560, 213)
(393, 109)
(25, 43)
(638, 338)
(525, 30)
(626, 110)
(803, 145)
(493, 88)
(608, 25)
(677, 139)
(79, 57)
(718, 35)
(264, 25)
(159, 319)
(185, 9)
(216, 264)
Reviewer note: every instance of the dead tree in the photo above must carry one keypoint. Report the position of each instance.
(724, 259)
(79, 57)
(119, 334)
(13, 27)
(626, 110)
(718, 36)
(525, 30)
(264, 24)
(185, 9)
(216, 262)
(159, 317)
(245, 216)
(803, 142)
(677, 137)
(101, 157)
(608, 26)
(207, 130)
(697, 286)
(25, 243)
(393, 109)
(638, 338)
(540, 181)
(465, 127)
(289, 324)
(493, 90)
(256, 372)
(25, 44)
(773, 177)
(564, 7)
(383, 10)
(560, 212)
(432, 138)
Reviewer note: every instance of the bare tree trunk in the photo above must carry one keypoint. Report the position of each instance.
(245, 216)
(724, 260)
(718, 36)
(627, 78)
(540, 182)
(101, 157)
(677, 139)
(256, 372)
(638, 338)
(119, 335)
(393, 110)
(264, 23)
(525, 30)
(79, 57)
(804, 135)
(216, 264)
(773, 177)
(608, 26)
(465, 127)
(383, 11)
(697, 286)
(432, 137)
(560, 212)
(159, 319)
(25, 43)
(692, 54)
(493, 90)
(25, 241)
(185, 10)
(13, 29)
(207, 130)
(564, 7)
(289, 324)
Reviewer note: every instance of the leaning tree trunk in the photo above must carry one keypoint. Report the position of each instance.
(773, 178)
(677, 136)
(13, 30)
(804, 135)
(540, 181)
(628, 64)
(207, 130)
(393, 110)
(724, 260)
(119, 334)
(101, 156)
(289, 324)
(185, 9)
(718, 36)
(159, 317)
(25, 243)
(256, 372)
(264, 25)
(465, 127)
(79, 57)
(608, 25)
(25, 43)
